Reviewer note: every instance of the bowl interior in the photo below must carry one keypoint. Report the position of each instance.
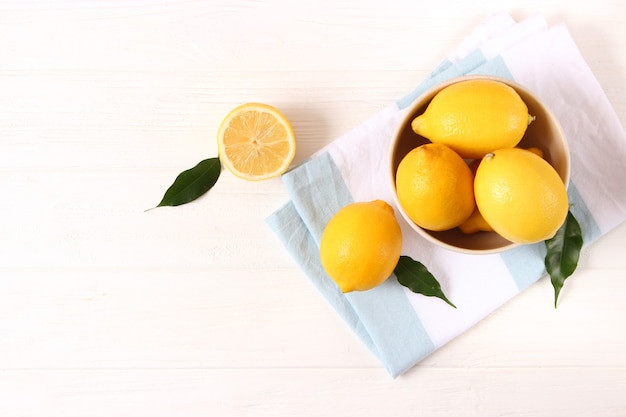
(544, 133)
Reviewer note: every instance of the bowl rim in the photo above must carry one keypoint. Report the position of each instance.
(419, 102)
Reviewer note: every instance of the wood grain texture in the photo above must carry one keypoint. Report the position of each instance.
(262, 392)
(107, 309)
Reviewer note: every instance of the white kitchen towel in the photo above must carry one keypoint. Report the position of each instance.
(400, 327)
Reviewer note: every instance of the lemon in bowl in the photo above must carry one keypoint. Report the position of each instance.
(479, 118)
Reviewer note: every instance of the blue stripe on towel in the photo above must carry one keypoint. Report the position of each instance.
(291, 231)
(444, 72)
(525, 263)
(317, 191)
(590, 229)
(398, 343)
(495, 66)
(475, 63)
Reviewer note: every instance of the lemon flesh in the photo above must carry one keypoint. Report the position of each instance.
(256, 141)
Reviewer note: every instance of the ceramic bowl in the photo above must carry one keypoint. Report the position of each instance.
(544, 133)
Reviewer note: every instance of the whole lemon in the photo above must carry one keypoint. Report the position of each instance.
(435, 187)
(520, 195)
(360, 246)
(474, 117)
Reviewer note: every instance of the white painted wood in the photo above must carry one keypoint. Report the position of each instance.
(107, 309)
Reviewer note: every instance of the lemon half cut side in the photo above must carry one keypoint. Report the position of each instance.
(256, 142)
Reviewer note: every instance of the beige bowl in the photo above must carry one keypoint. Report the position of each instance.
(544, 132)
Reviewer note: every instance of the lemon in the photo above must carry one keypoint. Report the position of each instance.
(474, 117)
(360, 245)
(435, 187)
(256, 141)
(520, 195)
(536, 151)
(475, 223)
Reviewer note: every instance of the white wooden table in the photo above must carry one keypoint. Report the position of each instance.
(109, 310)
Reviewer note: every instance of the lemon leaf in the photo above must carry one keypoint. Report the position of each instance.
(192, 183)
(416, 277)
(563, 253)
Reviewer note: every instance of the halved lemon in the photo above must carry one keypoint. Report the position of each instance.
(256, 141)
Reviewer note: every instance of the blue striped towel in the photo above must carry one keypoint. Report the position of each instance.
(398, 326)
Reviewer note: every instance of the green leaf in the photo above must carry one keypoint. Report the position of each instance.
(416, 277)
(563, 253)
(192, 183)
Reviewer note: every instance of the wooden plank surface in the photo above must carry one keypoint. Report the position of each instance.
(107, 309)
